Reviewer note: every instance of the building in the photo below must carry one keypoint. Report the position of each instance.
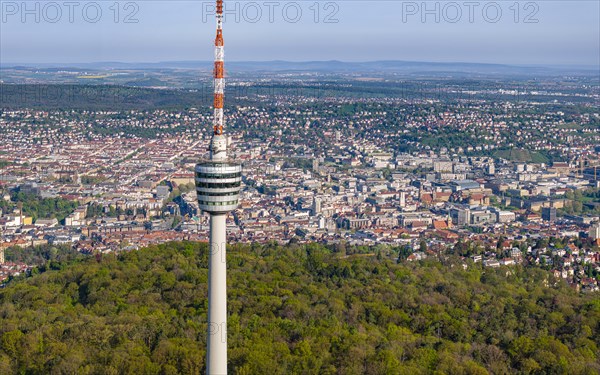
(549, 213)
(505, 216)
(30, 189)
(315, 165)
(409, 218)
(442, 166)
(461, 216)
(594, 232)
(316, 208)
(482, 217)
(464, 185)
(162, 192)
(351, 224)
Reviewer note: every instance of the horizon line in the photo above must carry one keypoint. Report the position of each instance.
(72, 64)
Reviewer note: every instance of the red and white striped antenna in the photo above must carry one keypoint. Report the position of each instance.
(219, 73)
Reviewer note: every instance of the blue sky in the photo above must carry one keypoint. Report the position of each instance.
(539, 32)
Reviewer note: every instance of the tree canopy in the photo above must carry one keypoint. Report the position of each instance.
(296, 309)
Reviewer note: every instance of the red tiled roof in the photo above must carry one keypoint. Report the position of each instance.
(440, 224)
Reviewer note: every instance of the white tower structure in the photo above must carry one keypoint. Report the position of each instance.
(218, 181)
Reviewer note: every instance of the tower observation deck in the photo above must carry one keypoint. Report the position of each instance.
(218, 185)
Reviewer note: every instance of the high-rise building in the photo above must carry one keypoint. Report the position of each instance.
(218, 182)
(549, 213)
(402, 199)
(463, 217)
(316, 208)
(594, 232)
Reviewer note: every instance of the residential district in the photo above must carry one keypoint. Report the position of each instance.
(310, 176)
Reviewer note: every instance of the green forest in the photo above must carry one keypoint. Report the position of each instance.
(296, 309)
(39, 208)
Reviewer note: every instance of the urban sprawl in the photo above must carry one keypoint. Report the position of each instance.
(498, 184)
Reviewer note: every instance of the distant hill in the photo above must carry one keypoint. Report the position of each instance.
(100, 97)
(334, 66)
(158, 92)
(148, 82)
(294, 310)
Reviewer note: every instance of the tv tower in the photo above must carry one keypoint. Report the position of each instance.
(218, 181)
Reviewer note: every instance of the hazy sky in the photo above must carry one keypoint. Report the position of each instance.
(537, 32)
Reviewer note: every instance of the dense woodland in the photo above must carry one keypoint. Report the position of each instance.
(298, 309)
(138, 95)
(39, 208)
